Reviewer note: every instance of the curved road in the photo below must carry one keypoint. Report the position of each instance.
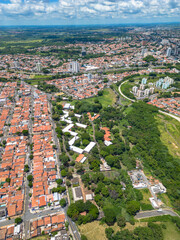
(132, 100)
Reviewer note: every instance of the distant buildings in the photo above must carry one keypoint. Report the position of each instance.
(143, 91)
(139, 93)
(83, 52)
(38, 67)
(144, 81)
(144, 50)
(135, 89)
(169, 51)
(147, 92)
(142, 87)
(164, 83)
(74, 67)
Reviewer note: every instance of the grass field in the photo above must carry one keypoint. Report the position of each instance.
(46, 237)
(95, 231)
(146, 196)
(39, 76)
(108, 98)
(70, 194)
(126, 88)
(165, 199)
(170, 134)
(24, 41)
(34, 79)
(171, 233)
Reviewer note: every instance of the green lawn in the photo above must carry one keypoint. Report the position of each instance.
(39, 76)
(70, 194)
(108, 98)
(146, 196)
(170, 134)
(24, 41)
(171, 233)
(46, 237)
(126, 88)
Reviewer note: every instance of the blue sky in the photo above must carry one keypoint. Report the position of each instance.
(68, 12)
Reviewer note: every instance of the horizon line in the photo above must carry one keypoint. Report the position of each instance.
(94, 24)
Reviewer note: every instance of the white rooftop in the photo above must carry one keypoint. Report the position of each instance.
(89, 147)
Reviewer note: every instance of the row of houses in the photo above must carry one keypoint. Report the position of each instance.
(14, 157)
(49, 224)
(44, 168)
(172, 105)
(11, 232)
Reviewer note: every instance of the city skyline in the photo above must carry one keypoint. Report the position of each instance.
(78, 12)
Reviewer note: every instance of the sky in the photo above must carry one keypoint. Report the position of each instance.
(85, 12)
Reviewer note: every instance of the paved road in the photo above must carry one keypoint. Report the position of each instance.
(155, 213)
(132, 100)
(171, 115)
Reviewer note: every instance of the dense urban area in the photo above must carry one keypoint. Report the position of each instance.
(90, 133)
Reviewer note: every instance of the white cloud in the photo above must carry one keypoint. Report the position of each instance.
(89, 8)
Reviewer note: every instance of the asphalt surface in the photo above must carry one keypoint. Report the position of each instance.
(155, 213)
(123, 94)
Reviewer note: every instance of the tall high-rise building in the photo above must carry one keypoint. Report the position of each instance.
(16, 64)
(151, 90)
(144, 50)
(135, 89)
(74, 67)
(140, 93)
(83, 52)
(168, 53)
(89, 76)
(144, 81)
(146, 92)
(176, 51)
(142, 87)
(38, 67)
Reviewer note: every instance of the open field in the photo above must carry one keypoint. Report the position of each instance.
(165, 199)
(146, 196)
(170, 134)
(171, 233)
(108, 98)
(70, 194)
(46, 237)
(34, 79)
(24, 41)
(126, 88)
(95, 231)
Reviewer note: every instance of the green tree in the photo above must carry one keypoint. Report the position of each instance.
(133, 207)
(18, 220)
(121, 221)
(63, 173)
(110, 216)
(63, 202)
(83, 237)
(30, 178)
(25, 132)
(109, 232)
